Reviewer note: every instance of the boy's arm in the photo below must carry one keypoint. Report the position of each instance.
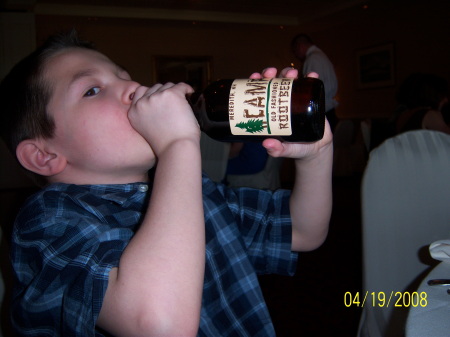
(157, 288)
(311, 199)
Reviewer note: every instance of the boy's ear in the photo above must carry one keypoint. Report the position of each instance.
(34, 156)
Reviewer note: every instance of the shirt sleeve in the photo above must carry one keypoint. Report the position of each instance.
(266, 227)
(264, 222)
(62, 255)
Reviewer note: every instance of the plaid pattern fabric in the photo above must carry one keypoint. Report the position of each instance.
(68, 237)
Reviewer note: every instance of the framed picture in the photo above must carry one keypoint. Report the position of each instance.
(376, 66)
(194, 70)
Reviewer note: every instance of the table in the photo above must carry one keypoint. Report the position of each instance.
(431, 318)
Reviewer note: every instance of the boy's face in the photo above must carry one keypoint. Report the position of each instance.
(90, 100)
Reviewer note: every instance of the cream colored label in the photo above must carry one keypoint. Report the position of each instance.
(261, 107)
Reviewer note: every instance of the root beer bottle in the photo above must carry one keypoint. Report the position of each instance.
(249, 109)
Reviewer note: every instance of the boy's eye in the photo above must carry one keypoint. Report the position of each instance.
(92, 92)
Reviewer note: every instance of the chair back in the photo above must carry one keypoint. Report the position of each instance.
(405, 207)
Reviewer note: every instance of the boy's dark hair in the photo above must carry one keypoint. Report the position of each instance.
(25, 94)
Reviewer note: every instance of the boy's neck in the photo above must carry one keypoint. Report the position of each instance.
(96, 180)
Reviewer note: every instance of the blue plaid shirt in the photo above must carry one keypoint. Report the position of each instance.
(68, 237)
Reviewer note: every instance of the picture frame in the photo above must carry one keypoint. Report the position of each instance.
(376, 66)
(193, 70)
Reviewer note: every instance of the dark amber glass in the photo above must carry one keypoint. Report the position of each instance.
(307, 112)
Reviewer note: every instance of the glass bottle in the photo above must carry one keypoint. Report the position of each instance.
(252, 110)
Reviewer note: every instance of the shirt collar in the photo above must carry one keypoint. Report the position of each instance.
(117, 193)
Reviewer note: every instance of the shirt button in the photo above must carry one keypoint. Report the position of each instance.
(143, 188)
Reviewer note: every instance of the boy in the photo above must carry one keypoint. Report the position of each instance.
(95, 254)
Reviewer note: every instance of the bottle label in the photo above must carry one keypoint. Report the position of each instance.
(261, 107)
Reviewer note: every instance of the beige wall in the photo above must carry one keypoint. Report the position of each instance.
(420, 31)
(236, 50)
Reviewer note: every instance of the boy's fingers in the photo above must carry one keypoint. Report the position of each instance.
(186, 88)
(289, 72)
(269, 72)
(140, 91)
(274, 147)
(313, 75)
(255, 76)
(158, 87)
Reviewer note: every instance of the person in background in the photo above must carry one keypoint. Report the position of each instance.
(249, 165)
(315, 60)
(106, 250)
(246, 158)
(445, 110)
(422, 97)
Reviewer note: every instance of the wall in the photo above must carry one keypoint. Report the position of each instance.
(419, 30)
(237, 50)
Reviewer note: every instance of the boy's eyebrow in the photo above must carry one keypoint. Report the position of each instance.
(84, 73)
(90, 72)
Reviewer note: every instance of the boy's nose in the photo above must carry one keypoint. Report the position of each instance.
(130, 91)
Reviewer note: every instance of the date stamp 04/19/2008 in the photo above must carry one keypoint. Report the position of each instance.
(385, 300)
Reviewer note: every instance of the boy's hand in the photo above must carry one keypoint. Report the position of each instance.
(162, 115)
(311, 197)
(274, 147)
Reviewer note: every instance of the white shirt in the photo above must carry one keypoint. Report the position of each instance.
(317, 61)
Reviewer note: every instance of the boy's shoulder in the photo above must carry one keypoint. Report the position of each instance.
(70, 201)
(73, 191)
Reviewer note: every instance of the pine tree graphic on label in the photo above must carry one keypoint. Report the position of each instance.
(252, 126)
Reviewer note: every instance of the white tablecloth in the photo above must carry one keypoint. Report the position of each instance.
(432, 320)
